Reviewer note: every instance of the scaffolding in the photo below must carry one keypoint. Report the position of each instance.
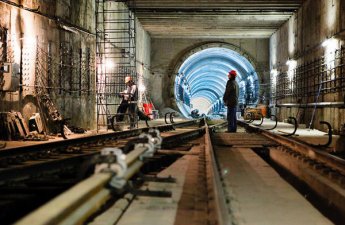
(116, 55)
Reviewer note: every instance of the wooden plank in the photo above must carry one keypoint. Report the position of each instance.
(11, 127)
(24, 124)
(17, 124)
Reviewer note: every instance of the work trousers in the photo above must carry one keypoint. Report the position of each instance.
(232, 121)
(123, 109)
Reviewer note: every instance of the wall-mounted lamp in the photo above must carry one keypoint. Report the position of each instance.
(142, 88)
(291, 63)
(30, 40)
(330, 46)
(274, 72)
(330, 42)
(109, 64)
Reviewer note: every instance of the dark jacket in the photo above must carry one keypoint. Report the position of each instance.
(230, 97)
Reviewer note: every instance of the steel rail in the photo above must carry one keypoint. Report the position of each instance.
(63, 144)
(73, 160)
(80, 202)
(49, 166)
(214, 127)
(309, 151)
(77, 204)
(215, 180)
(177, 139)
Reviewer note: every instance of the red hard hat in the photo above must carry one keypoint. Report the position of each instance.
(233, 73)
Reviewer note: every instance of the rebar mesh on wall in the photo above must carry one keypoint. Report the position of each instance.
(116, 56)
(311, 78)
(57, 76)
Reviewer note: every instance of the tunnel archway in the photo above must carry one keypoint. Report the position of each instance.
(202, 75)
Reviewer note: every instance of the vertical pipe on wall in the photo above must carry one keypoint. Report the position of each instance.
(80, 69)
(61, 68)
(71, 69)
(49, 69)
(88, 68)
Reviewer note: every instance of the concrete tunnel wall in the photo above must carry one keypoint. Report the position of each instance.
(27, 30)
(168, 54)
(301, 39)
(75, 29)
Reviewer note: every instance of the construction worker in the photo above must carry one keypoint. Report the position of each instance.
(129, 98)
(230, 99)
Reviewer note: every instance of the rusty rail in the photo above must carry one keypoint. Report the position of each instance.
(307, 150)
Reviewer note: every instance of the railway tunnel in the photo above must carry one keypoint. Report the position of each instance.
(112, 111)
(200, 82)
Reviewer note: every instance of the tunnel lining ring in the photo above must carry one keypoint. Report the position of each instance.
(229, 56)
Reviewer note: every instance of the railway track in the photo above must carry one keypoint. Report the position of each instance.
(189, 151)
(32, 175)
(20, 163)
(320, 171)
(99, 188)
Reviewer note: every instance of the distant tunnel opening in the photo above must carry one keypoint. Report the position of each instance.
(201, 80)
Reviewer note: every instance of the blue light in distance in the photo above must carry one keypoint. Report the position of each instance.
(201, 79)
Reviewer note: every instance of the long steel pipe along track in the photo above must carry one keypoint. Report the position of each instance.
(81, 201)
(77, 204)
(12, 161)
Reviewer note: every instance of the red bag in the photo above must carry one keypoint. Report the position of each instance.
(147, 108)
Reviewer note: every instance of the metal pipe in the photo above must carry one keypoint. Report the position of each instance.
(295, 126)
(329, 136)
(172, 117)
(82, 213)
(275, 124)
(333, 161)
(134, 155)
(165, 117)
(55, 211)
(262, 120)
(77, 204)
(133, 169)
(311, 105)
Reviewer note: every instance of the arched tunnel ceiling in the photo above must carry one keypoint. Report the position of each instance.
(213, 18)
(201, 80)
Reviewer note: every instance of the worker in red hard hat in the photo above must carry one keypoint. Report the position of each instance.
(230, 99)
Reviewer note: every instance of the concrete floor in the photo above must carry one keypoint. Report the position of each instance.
(258, 195)
(151, 210)
(305, 134)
